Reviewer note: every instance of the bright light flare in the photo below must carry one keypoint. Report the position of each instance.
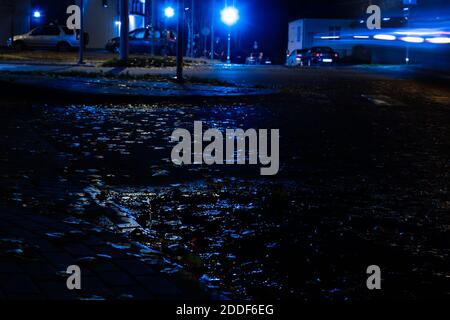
(384, 37)
(37, 14)
(413, 39)
(439, 40)
(229, 16)
(330, 37)
(169, 12)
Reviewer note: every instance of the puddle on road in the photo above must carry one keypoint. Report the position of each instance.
(306, 237)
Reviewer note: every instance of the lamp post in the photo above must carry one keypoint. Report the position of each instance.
(81, 45)
(124, 30)
(407, 4)
(36, 14)
(180, 31)
(229, 16)
(169, 13)
(152, 29)
(213, 6)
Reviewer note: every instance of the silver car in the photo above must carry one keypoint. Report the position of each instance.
(52, 36)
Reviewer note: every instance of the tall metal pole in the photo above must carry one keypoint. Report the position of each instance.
(229, 47)
(124, 30)
(13, 23)
(213, 6)
(81, 44)
(152, 29)
(406, 15)
(180, 31)
(192, 28)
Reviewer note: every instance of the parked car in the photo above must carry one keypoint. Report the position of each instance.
(296, 58)
(258, 59)
(320, 55)
(51, 36)
(252, 59)
(141, 42)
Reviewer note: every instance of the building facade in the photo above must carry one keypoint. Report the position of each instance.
(307, 33)
(102, 19)
(14, 19)
(408, 34)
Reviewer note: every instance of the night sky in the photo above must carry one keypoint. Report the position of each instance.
(268, 19)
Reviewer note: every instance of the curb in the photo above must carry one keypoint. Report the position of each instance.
(118, 89)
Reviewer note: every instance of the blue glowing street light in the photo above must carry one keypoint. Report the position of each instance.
(34, 17)
(169, 12)
(37, 14)
(229, 16)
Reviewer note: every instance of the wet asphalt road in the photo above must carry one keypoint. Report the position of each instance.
(363, 180)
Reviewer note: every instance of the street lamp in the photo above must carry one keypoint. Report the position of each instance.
(169, 12)
(124, 29)
(229, 16)
(180, 32)
(81, 44)
(35, 16)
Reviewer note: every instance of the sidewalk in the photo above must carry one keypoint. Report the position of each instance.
(135, 82)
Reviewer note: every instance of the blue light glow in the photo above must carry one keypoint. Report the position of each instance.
(132, 21)
(229, 16)
(384, 37)
(169, 12)
(413, 39)
(439, 40)
(37, 14)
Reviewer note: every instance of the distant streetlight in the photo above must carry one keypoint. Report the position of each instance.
(35, 17)
(37, 14)
(229, 16)
(169, 12)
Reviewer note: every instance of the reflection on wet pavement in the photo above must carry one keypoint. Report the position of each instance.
(338, 205)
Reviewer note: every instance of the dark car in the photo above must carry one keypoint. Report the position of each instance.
(141, 41)
(320, 55)
(258, 59)
(297, 57)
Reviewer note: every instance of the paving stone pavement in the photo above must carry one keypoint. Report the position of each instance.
(37, 245)
(35, 251)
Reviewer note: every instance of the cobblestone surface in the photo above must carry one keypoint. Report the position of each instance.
(38, 243)
(36, 251)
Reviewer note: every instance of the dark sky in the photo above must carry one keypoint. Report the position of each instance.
(267, 21)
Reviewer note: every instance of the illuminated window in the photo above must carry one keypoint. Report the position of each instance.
(137, 7)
